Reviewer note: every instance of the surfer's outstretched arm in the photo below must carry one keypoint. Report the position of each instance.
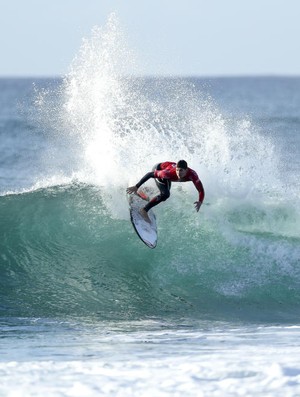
(145, 179)
(133, 189)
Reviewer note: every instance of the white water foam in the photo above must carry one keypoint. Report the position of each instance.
(118, 126)
(260, 361)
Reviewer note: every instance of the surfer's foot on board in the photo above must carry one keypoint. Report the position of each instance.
(144, 214)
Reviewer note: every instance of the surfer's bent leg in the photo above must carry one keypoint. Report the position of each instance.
(164, 186)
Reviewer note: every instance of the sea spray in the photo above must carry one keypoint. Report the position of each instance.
(117, 126)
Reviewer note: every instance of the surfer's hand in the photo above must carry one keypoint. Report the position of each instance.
(131, 189)
(197, 205)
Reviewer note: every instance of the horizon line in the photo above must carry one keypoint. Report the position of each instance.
(158, 76)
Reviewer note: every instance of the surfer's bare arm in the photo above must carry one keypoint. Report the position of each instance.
(133, 189)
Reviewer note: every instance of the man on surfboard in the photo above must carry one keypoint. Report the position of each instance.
(164, 174)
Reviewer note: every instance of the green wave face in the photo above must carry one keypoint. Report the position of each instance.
(63, 253)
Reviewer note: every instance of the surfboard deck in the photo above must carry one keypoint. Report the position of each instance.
(147, 232)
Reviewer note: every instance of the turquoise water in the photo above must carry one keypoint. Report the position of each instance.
(86, 308)
(59, 257)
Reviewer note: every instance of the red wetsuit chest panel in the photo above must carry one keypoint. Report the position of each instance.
(168, 171)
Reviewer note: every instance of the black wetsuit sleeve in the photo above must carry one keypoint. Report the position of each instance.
(145, 179)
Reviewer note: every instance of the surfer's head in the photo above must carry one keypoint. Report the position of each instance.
(182, 164)
(181, 168)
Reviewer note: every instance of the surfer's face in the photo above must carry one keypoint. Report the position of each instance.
(181, 172)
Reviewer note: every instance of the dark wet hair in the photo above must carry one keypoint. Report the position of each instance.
(182, 164)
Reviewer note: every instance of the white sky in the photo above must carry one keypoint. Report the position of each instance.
(171, 37)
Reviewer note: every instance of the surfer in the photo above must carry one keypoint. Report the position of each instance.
(164, 174)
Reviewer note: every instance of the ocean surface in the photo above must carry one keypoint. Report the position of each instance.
(86, 308)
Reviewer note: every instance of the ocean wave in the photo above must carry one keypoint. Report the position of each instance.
(63, 252)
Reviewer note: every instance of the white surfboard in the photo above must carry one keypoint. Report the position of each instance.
(146, 231)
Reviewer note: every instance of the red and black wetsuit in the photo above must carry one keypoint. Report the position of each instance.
(164, 174)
